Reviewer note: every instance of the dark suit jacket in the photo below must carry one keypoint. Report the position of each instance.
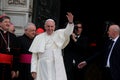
(73, 54)
(77, 50)
(114, 59)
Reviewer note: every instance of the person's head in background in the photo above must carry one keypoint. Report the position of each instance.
(30, 30)
(49, 26)
(39, 31)
(113, 31)
(4, 23)
(11, 28)
(78, 28)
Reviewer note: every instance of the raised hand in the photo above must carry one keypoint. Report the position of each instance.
(70, 17)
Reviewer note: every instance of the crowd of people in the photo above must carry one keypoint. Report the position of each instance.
(50, 54)
(15, 58)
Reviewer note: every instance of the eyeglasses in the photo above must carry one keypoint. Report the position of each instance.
(79, 27)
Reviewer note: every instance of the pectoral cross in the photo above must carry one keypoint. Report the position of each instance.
(8, 49)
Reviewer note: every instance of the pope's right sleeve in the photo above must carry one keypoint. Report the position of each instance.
(34, 62)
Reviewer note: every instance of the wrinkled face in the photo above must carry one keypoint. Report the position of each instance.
(50, 27)
(5, 24)
(31, 32)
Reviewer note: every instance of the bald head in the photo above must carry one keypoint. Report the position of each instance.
(113, 31)
(115, 28)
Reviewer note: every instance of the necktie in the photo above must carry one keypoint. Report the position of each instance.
(77, 36)
(110, 47)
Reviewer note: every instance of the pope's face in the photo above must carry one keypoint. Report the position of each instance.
(50, 27)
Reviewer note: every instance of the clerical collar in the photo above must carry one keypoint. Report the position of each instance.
(78, 36)
(115, 39)
(3, 30)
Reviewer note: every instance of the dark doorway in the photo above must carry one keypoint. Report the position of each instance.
(95, 16)
(45, 9)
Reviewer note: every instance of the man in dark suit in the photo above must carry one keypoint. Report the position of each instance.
(75, 52)
(111, 57)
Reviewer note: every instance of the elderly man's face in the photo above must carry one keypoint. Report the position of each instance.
(50, 27)
(31, 31)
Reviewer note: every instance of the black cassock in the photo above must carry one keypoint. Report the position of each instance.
(25, 58)
(8, 54)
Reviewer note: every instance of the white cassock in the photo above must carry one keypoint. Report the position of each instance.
(47, 59)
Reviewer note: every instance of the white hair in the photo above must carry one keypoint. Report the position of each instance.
(49, 20)
(29, 24)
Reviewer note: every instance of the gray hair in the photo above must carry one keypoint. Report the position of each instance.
(29, 24)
